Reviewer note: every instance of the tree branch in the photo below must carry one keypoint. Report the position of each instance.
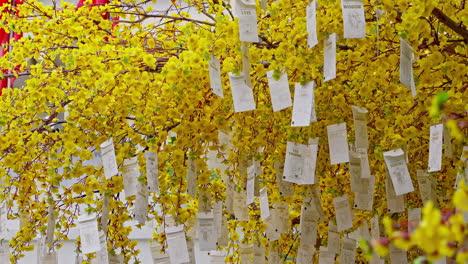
(450, 23)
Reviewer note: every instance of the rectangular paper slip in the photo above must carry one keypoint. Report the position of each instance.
(264, 206)
(89, 234)
(344, 216)
(329, 58)
(247, 14)
(337, 143)
(396, 165)
(108, 158)
(215, 76)
(360, 127)
(353, 19)
(131, 172)
(177, 244)
(279, 91)
(311, 25)
(435, 147)
(241, 93)
(303, 108)
(152, 171)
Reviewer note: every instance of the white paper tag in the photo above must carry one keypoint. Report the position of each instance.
(141, 203)
(435, 147)
(305, 254)
(325, 256)
(427, 188)
(131, 172)
(3, 221)
(4, 252)
(264, 205)
(251, 175)
(109, 161)
(89, 235)
(215, 76)
(299, 166)
(355, 172)
(414, 217)
(344, 217)
(329, 57)
(285, 188)
(395, 204)
(157, 256)
(337, 143)
(396, 165)
(348, 250)
(308, 227)
(242, 94)
(177, 244)
(375, 227)
(353, 19)
(217, 257)
(463, 174)
(360, 127)
(50, 225)
(365, 168)
(246, 253)
(247, 14)
(311, 25)
(274, 255)
(259, 254)
(280, 213)
(397, 255)
(152, 174)
(304, 106)
(365, 200)
(240, 210)
(102, 256)
(49, 257)
(406, 66)
(448, 151)
(333, 239)
(245, 53)
(279, 91)
(206, 233)
(105, 212)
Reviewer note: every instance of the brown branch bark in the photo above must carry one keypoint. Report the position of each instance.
(459, 29)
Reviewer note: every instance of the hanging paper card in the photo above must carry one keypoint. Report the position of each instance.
(308, 227)
(152, 171)
(397, 255)
(435, 147)
(396, 165)
(264, 206)
(285, 188)
(348, 250)
(157, 256)
(353, 19)
(204, 199)
(333, 239)
(247, 14)
(395, 204)
(105, 212)
(280, 213)
(131, 172)
(337, 143)
(329, 54)
(272, 224)
(115, 259)
(414, 217)
(300, 163)
(251, 175)
(141, 203)
(463, 173)
(240, 210)
(426, 187)
(206, 233)
(360, 127)
(303, 108)
(406, 66)
(325, 256)
(3, 221)
(305, 254)
(375, 227)
(241, 93)
(274, 256)
(365, 168)
(191, 177)
(344, 217)
(108, 158)
(49, 257)
(365, 200)
(50, 225)
(177, 244)
(217, 257)
(102, 256)
(279, 91)
(355, 172)
(311, 25)
(4, 251)
(246, 253)
(215, 76)
(89, 235)
(259, 254)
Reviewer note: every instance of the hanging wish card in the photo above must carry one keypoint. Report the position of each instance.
(427, 187)
(157, 256)
(329, 53)
(240, 210)
(264, 205)
(300, 163)
(365, 200)
(338, 144)
(333, 239)
(152, 171)
(246, 253)
(109, 161)
(397, 255)
(303, 108)
(215, 76)
(365, 168)
(259, 254)
(311, 25)
(89, 235)
(251, 175)
(242, 94)
(406, 66)
(50, 225)
(353, 19)
(395, 203)
(325, 256)
(280, 213)
(308, 227)
(131, 172)
(4, 251)
(305, 254)
(279, 91)
(348, 250)
(396, 165)
(177, 244)
(414, 217)
(285, 188)
(344, 217)
(207, 235)
(435, 147)
(360, 127)
(141, 203)
(246, 11)
(463, 173)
